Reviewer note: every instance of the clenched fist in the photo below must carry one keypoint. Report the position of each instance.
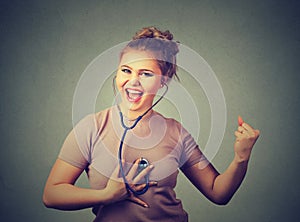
(246, 137)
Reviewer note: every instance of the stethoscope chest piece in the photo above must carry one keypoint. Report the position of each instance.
(142, 164)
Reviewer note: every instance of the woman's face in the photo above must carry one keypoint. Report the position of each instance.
(138, 79)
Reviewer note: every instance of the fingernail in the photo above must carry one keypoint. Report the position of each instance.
(146, 206)
(240, 121)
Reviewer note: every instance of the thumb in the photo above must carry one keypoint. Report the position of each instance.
(240, 121)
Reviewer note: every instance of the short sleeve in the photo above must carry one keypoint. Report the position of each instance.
(191, 153)
(77, 146)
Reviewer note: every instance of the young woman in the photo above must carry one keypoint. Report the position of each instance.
(120, 190)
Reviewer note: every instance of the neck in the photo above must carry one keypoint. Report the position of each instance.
(130, 114)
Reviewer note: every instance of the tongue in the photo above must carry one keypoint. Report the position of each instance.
(134, 96)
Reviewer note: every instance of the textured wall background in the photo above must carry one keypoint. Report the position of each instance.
(253, 47)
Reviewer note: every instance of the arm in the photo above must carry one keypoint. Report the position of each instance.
(219, 188)
(61, 193)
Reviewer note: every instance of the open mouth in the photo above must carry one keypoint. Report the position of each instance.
(133, 95)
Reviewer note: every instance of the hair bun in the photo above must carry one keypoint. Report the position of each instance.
(153, 32)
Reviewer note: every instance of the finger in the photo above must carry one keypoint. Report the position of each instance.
(247, 127)
(238, 134)
(252, 132)
(257, 132)
(240, 121)
(244, 132)
(241, 129)
(142, 174)
(138, 201)
(140, 187)
(153, 183)
(133, 170)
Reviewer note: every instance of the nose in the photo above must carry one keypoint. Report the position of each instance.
(134, 79)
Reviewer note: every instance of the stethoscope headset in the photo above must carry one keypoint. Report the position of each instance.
(143, 163)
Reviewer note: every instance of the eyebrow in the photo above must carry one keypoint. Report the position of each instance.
(148, 70)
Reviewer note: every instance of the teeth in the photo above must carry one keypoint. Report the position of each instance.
(134, 95)
(134, 91)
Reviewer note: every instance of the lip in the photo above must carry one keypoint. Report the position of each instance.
(136, 94)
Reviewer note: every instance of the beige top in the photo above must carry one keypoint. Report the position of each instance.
(162, 141)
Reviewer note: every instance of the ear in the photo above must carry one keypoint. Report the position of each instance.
(163, 81)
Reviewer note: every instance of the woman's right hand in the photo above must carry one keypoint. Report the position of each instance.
(116, 188)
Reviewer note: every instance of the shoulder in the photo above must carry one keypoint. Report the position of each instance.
(94, 121)
(177, 130)
(102, 116)
(172, 124)
(104, 119)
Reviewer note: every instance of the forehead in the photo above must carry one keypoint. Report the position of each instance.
(141, 59)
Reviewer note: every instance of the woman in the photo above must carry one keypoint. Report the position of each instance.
(146, 65)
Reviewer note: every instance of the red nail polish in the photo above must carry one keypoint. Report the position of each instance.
(240, 121)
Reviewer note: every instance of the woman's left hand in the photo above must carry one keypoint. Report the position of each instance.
(246, 137)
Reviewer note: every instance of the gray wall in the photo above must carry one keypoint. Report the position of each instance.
(253, 47)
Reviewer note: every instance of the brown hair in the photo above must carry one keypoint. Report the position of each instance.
(161, 44)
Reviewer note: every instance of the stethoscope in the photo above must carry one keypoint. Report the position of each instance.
(143, 162)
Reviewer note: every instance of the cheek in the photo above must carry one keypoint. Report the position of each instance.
(153, 86)
(120, 81)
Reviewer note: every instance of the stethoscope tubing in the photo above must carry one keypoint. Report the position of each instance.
(128, 187)
(126, 128)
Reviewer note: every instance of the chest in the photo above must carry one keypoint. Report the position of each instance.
(157, 146)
